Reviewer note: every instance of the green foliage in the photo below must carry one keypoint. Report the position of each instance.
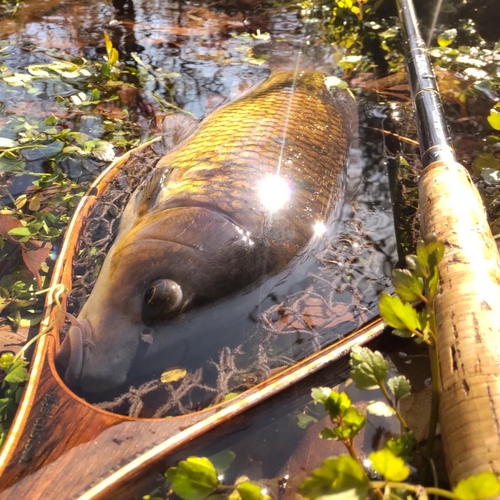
(13, 374)
(336, 404)
(447, 37)
(389, 465)
(418, 282)
(196, 479)
(32, 222)
(30, 226)
(401, 316)
(369, 368)
(336, 476)
(340, 478)
(352, 24)
(347, 420)
(222, 460)
(494, 118)
(402, 446)
(250, 491)
(483, 485)
(193, 479)
(350, 424)
(399, 386)
(409, 286)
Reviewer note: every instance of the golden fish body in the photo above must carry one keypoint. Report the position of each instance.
(235, 203)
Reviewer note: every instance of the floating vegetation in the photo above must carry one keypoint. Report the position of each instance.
(43, 151)
(13, 374)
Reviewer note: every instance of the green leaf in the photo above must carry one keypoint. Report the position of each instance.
(353, 420)
(304, 420)
(249, 491)
(404, 334)
(4, 404)
(399, 386)
(380, 409)
(408, 286)
(222, 460)
(193, 479)
(390, 466)
(411, 262)
(344, 495)
(483, 485)
(423, 319)
(103, 150)
(320, 394)
(368, 368)
(19, 231)
(494, 119)
(437, 251)
(6, 143)
(433, 283)
(403, 445)
(17, 372)
(396, 314)
(429, 254)
(41, 73)
(6, 359)
(51, 120)
(485, 161)
(447, 37)
(336, 475)
(336, 404)
(327, 433)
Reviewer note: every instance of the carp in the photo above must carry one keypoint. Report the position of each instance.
(233, 208)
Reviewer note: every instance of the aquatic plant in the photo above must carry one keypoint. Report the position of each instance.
(32, 222)
(385, 473)
(13, 374)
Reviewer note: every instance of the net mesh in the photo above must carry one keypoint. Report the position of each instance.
(340, 295)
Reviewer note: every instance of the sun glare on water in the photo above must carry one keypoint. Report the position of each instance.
(274, 192)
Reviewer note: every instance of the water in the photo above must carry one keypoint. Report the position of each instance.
(175, 55)
(171, 56)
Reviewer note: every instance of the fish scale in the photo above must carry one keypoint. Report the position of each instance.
(292, 125)
(225, 216)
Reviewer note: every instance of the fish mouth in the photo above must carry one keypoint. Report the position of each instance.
(71, 355)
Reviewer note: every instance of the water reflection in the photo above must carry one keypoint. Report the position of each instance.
(198, 58)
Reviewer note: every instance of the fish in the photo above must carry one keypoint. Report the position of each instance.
(232, 208)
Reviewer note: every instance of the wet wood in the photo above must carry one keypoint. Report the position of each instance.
(60, 446)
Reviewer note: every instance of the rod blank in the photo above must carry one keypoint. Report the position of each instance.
(433, 134)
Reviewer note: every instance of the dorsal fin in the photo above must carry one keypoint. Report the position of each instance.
(149, 190)
(140, 202)
(176, 129)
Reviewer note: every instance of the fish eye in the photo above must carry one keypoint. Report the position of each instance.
(164, 295)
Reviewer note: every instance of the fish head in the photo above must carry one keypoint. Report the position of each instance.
(154, 280)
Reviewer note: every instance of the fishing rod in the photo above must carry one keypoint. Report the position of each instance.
(468, 294)
(433, 135)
